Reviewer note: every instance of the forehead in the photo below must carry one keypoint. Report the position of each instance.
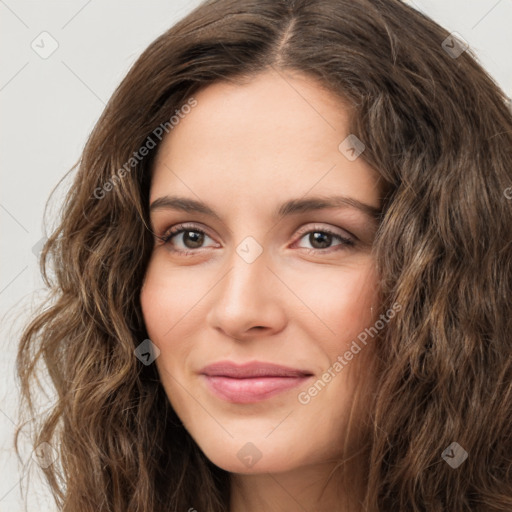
(278, 134)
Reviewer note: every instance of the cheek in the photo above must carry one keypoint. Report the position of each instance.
(341, 299)
(163, 304)
(167, 299)
(174, 310)
(344, 305)
(358, 294)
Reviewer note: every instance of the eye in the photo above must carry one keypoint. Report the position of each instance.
(189, 238)
(321, 238)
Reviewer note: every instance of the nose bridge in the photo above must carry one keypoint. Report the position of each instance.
(246, 296)
(246, 279)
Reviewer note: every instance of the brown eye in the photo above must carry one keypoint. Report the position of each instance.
(322, 240)
(185, 239)
(192, 239)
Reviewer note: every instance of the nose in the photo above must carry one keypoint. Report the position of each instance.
(248, 301)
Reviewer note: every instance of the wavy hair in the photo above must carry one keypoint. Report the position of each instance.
(436, 128)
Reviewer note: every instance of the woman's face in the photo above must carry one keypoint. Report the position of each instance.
(262, 274)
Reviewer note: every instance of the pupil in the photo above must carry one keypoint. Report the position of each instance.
(195, 243)
(316, 236)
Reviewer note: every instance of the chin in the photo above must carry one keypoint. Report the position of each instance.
(252, 458)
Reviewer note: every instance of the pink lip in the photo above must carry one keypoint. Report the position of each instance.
(251, 382)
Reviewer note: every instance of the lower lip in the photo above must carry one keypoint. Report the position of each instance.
(250, 390)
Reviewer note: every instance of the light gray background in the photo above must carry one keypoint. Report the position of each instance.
(49, 106)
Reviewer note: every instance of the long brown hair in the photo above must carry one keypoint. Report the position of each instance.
(437, 129)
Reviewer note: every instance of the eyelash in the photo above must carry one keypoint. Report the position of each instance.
(181, 228)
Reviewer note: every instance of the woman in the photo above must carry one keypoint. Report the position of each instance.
(204, 357)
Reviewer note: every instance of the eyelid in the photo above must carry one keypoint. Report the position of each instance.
(319, 227)
(177, 229)
(173, 230)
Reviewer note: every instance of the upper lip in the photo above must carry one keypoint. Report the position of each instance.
(251, 369)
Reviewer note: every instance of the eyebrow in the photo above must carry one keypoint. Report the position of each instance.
(291, 207)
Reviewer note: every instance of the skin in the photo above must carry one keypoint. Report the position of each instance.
(244, 150)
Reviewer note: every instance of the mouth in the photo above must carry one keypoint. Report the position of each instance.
(251, 382)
